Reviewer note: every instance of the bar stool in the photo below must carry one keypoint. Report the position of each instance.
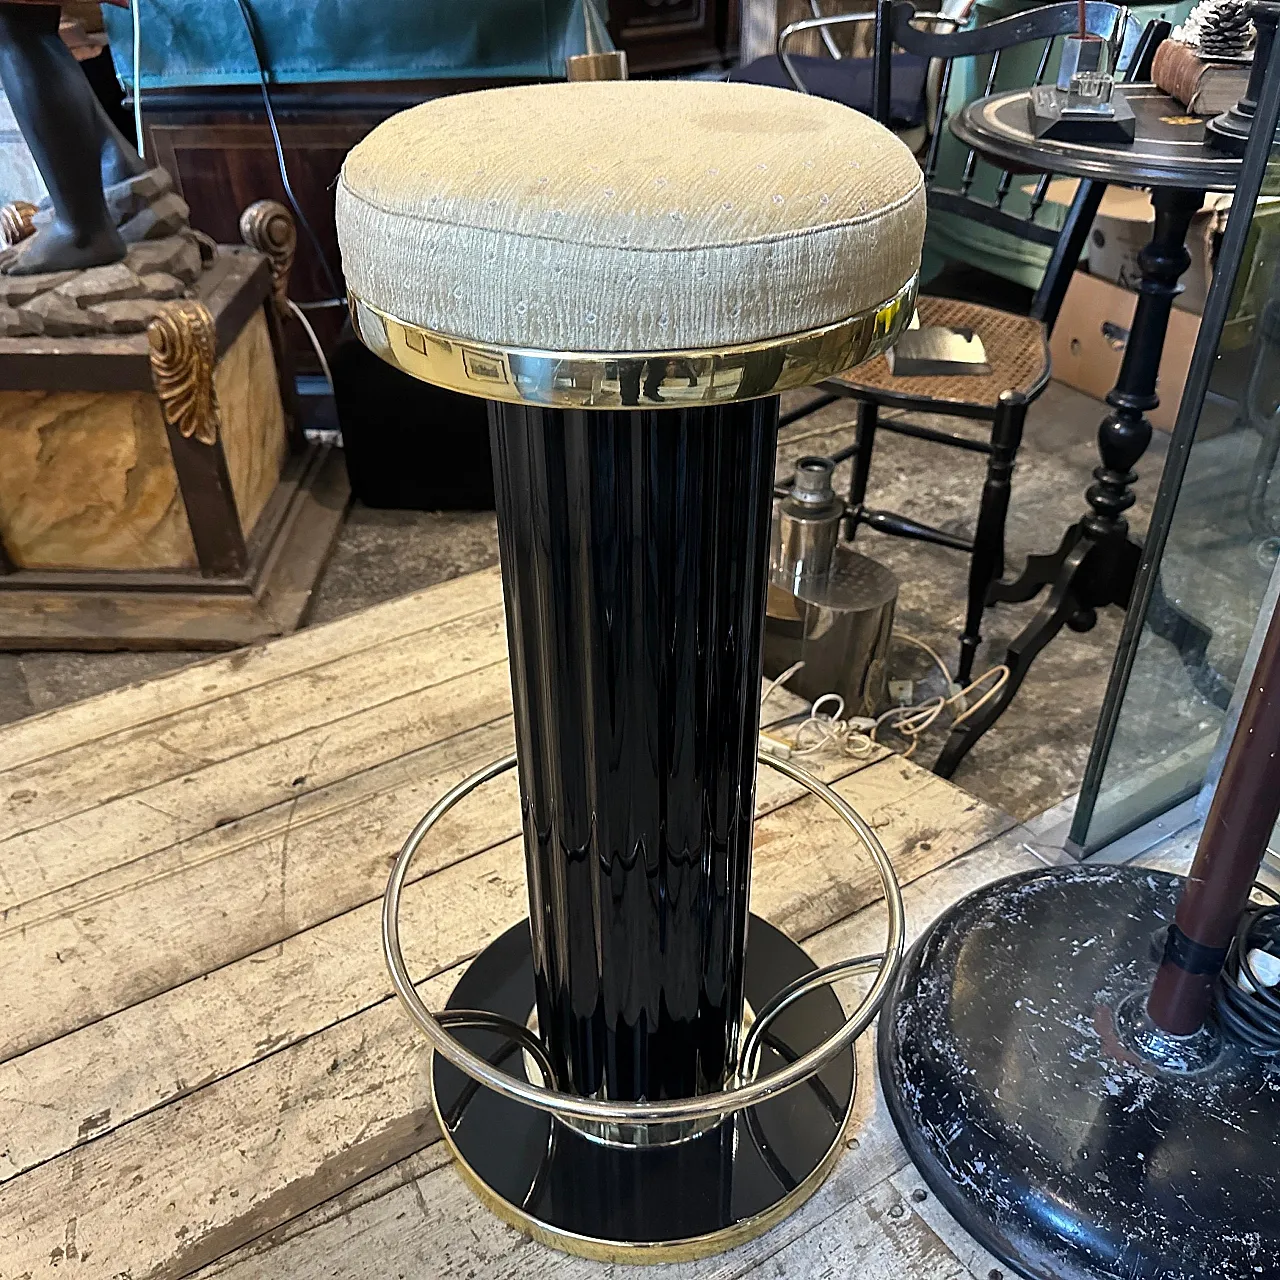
(630, 273)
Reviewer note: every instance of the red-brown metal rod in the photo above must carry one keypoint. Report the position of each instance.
(1232, 845)
(1084, 18)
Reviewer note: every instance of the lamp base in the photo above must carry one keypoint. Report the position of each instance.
(1059, 1128)
(667, 1203)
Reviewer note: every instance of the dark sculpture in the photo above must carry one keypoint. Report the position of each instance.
(76, 147)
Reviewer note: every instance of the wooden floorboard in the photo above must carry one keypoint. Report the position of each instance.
(148, 702)
(265, 1142)
(180, 780)
(202, 1051)
(466, 888)
(400, 1226)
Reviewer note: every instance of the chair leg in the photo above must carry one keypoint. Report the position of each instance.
(864, 444)
(987, 562)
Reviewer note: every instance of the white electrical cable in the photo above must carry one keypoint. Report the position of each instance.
(315, 342)
(858, 735)
(920, 644)
(134, 7)
(780, 680)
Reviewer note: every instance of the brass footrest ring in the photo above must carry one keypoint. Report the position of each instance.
(703, 1106)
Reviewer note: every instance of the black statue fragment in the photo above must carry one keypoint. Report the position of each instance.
(76, 147)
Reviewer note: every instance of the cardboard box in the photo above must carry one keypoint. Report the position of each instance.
(1123, 227)
(1089, 340)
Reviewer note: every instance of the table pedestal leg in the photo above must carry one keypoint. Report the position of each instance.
(1097, 561)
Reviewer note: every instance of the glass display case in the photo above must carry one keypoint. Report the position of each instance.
(1212, 553)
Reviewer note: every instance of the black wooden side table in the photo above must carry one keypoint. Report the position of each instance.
(1097, 560)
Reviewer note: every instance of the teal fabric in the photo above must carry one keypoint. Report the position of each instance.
(204, 42)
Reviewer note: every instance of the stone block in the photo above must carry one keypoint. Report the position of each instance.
(131, 197)
(165, 216)
(57, 314)
(130, 315)
(174, 255)
(16, 290)
(207, 245)
(160, 284)
(102, 284)
(13, 324)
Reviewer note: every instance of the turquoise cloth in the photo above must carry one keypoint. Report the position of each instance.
(204, 42)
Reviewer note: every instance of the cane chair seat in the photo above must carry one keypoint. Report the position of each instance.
(1017, 354)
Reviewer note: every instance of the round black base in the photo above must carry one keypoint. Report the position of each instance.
(646, 1204)
(1008, 1055)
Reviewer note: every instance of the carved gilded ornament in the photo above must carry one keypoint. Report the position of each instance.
(268, 227)
(17, 221)
(183, 352)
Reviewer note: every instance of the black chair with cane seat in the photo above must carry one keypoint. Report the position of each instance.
(1017, 346)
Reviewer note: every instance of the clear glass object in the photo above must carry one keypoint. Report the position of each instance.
(1089, 90)
(1214, 549)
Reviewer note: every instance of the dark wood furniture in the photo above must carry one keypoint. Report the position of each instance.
(156, 491)
(674, 35)
(1097, 559)
(1016, 346)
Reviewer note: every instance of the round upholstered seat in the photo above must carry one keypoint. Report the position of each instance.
(628, 217)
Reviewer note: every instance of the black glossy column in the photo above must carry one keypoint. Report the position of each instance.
(634, 555)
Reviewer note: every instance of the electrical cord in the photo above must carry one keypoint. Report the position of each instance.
(259, 57)
(315, 342)
(826, 725)
(1247, 1006)
(135, 16)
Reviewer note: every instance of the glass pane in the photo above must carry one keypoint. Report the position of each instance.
(1222, 550)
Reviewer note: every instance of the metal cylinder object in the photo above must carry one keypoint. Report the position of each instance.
(828, 607)
(839, 625)
(808, 525)
(600, 60)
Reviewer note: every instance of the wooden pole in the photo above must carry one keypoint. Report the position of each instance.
(1240, 821)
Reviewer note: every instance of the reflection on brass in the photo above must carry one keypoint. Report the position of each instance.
(597, 66)
(1184, 120)
(266, 225)
(17, 221)
(687, 1250)
(660, 379)
(183, 350)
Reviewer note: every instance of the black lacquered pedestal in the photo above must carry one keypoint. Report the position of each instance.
(634, 550)
(1013, 1059)
(728, 1182)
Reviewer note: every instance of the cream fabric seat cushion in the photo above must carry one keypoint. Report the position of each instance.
(629, 216)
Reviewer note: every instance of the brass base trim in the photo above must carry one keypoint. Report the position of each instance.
(640, 1253)
(633, 380)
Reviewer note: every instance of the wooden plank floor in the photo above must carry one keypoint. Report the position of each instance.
(202, 1068)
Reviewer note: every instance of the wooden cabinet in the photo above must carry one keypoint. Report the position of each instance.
(668, 35)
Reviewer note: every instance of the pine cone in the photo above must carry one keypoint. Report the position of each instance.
(1227, 30)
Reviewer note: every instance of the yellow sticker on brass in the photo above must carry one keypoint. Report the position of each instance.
(1179, 119)
(485, 366)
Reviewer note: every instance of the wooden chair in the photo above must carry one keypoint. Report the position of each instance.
(1017, 346)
